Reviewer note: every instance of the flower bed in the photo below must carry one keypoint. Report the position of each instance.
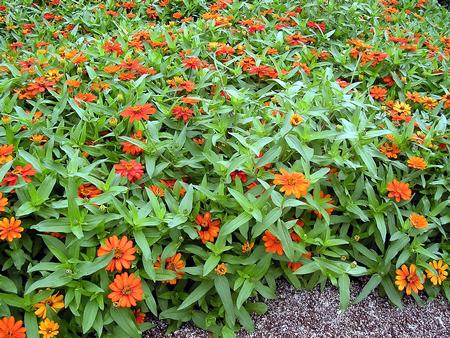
(177, 157)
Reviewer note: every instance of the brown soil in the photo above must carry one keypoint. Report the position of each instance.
(312, 313)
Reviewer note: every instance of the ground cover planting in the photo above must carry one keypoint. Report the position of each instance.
(175, 158)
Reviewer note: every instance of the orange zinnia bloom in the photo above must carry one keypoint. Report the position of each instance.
(378, 93)
(417, 162)
(10, 328)
(272, 243)
(48, 328)
(3, 202)
(294, 266)
(174, 263)
(123, 253)
(5, 153)
(399, 190)
(210, 229)
(418, 221)
(55, 302)
(126, 290)
(221, 269)
(10, 229)
(441, 269)
(292, 183)
(139, 316)
(88, 191)
(391, 151)
(158, 191)
(139, 112)
(247, 247)
(132, 149)
(328, 210)
(409, 279)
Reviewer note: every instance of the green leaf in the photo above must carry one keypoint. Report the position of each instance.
(391, 292)
(210, 264)
(198, 293)
(125, 320)
(294, 143)
(373, 282)
(244, 293)
(54, 280)
(223, 289)
(88, 268)
(7, 285)
(89, 314)
(344, 291)
(232, 225)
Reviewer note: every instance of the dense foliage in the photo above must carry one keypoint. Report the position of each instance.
(175, 158)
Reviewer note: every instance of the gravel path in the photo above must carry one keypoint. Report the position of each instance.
(311, 313)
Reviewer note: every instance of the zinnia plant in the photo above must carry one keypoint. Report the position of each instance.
(172, 159)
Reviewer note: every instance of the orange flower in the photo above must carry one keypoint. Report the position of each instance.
(88, 191)
(10, 328)
(158, 191)
(417, 162)
(247, 247)
(10, 229)
(3, 202)
(409, 279)
(294, 266)
(272, 243)
(123, 253)
(221, 269)
(399, 190)
(210, 228)
(139, 112)
(292, 183)
(48, 328)
(328, 210)
(378, 93)
(174, 263)
(441, 269)
(418, 221)
(5, 153)
(126, 290)
(132, 149)
(391, 151)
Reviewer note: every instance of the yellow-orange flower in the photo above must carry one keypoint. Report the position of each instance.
(126, 290)
(417, 162)
(221, 269)
(407, 278)
(292, 183)
(48, 328)
(399, 190)
(441, 269)
(10, 229)
(247, 247)
(5, 153)
(402, 108)
(55, 302)
(296, 119)
(391, 151)
(418, 221)
(3, 202)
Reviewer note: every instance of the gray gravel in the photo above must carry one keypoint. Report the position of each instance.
(312, 313)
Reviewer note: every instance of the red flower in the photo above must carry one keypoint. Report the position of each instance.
(132, 170)
(182, 113)
(11, 177)
(139, 112)
(132, 149)
(315, 25)
(238, 173)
